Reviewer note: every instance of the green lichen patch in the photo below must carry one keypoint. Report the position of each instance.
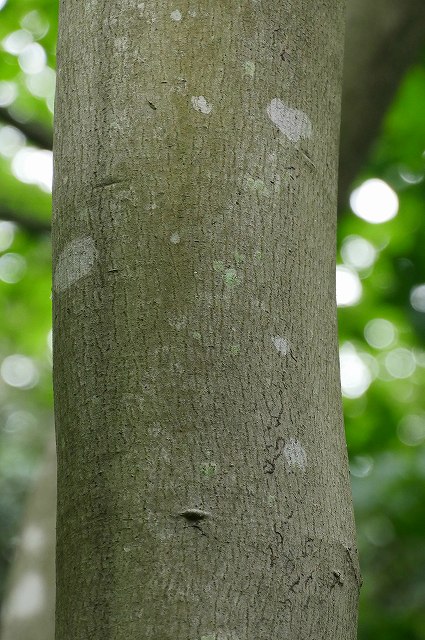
(239, 258)
(231, 278)
(208, 469)
(218, 265)
(235, 349)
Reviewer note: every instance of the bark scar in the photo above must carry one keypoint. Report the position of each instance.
(194, 515)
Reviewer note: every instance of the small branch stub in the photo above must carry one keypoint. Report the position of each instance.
(194, 515)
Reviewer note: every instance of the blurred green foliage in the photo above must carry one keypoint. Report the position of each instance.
(383, 366)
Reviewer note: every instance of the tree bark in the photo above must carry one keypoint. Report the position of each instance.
(383, 40)
(203, 489)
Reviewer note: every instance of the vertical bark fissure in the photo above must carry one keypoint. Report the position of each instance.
(203, 491)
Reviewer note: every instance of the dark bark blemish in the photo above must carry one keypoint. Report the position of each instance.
(194, 515)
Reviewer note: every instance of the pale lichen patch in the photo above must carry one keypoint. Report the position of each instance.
(175, 238)
(76, 261)
(293, 123)
(199, 103)
(257, 185)
(281, 345)
(176, 15)
(249, 68)
(295, 454)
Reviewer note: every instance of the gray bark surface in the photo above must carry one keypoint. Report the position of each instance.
(383, 39)
(203, 489)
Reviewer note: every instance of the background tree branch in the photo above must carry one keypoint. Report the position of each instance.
(383, 38)
(36, 133)
(31, 224)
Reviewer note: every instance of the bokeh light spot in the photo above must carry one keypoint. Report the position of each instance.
(411, 430)
(42, 84)
(11, 140)
(19, 371)
(33, 58)
(355, 374)
(361, 466)
(36, 23)
(380, 333)
(348, 286)
(12, 268)
(7, 234)
(358, 252)
(20, 421)
(8, 93)
(417, 298)
(400, 363)
(374, 201)
(34, 166)
(16, 41)
(379, 531)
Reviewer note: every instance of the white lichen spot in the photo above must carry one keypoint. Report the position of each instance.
(76, 261)
(28, 597)
(121, 44)
(257, 186)
(199, 103)
(293, 123)
(196, 335)
(192, 13)
(33, 538)
(176, 15)
(295, 454)
(141, 6)
(249, 68)
(281, 345)
(175, 238)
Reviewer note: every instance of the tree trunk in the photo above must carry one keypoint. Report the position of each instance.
(203, 483)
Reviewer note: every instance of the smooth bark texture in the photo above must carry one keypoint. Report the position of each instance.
(203, 482)
(383, 40)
